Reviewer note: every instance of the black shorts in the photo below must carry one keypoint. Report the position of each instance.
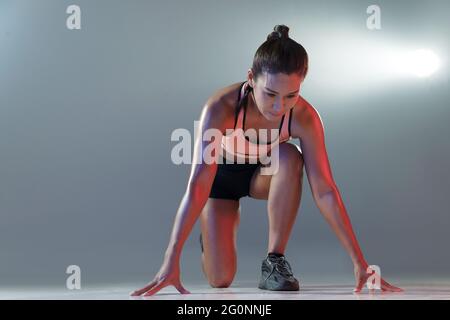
(232, 181)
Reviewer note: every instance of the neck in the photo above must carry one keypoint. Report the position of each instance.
(254, 108)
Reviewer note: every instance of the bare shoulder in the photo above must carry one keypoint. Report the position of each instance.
(305, 118)
(220, 107)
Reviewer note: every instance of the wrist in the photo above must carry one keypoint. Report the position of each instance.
(173, 253)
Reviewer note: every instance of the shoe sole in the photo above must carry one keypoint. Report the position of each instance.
(264, 287)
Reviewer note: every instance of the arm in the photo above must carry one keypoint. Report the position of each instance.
(199, 184)
(201, 178)
(324, 190)
(326, 194)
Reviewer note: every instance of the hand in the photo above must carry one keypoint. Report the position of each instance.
(361, 277)
(169, 274)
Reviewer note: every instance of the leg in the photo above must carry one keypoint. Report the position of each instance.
(219, 222)
(283, 192)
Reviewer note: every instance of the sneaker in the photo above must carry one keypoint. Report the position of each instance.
(276, 274)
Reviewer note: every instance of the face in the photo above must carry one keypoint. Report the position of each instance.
(275, 94)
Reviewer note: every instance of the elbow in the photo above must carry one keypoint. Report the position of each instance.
(325, 192)
(199, 190)
(201, 179)
(194, 191)
(329, 202)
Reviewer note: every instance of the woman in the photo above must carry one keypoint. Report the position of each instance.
(270, 100)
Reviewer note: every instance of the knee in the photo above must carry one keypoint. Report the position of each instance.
(291, 158)
(221, 281)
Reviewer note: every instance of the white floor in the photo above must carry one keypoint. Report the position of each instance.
(435, 291)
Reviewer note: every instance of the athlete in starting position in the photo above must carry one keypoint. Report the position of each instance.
(268, 99)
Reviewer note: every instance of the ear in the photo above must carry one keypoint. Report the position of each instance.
(250, 78)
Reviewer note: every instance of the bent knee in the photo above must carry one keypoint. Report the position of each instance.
(220, 284)
(223, 281)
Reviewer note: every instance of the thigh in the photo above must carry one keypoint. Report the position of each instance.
(260, 185)
(219, 222)
(289, 153)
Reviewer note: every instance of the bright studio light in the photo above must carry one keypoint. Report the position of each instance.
(421, 63)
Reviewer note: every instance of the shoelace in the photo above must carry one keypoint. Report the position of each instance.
(282, 266)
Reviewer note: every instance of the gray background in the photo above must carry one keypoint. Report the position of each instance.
(86, 117)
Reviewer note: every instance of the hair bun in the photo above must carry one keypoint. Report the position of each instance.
(280, 31)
